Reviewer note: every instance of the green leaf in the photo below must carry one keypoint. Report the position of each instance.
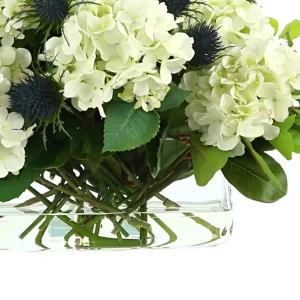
(127, 128)
(247, 176)
(171, 150)
(262, 145)
(274, 24)
(77, 139)
(79, 153)
(297, 120)
(207, 160)
(56, 155)
(287, 124)
(261, 162)
(174, 98)
(163, 153)
(176, 116)
(296, 139)
(284, 144)
(35, 147)
(178, 121)
(113, 165)
(154, 149)
(13, 186)
(291, 31)
(77, 149)
(93, 145)
(297, 149)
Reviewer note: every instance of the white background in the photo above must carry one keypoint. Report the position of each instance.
(260, 262)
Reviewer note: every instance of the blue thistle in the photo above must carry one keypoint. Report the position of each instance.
(53, 11)
(177, 7)
(207, 44)
(36, 99)
(180, 8)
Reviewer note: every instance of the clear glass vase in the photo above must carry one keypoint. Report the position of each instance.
(182, 215)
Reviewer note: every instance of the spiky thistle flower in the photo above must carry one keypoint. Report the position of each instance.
(52, 11)
(46, 15)
(37, 99)
(180, 8)
(207, 44)
(177, 7)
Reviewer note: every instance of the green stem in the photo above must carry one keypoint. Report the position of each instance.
(167, 202)
(104, 207)
(127, 200)
(94, 202)
(72, 231)
(166, 228)
(156, 188)
(50, 207)
(132, 177)
(83, 222)
(117, 227)
(102, 178)
(46, 223)
(57, 209)
(214, 230)
(94, 240)
(185, 156)
(143, 231)
(97, 228)
(35, 200)
(75, 183)
(94, 220)
(66, 177)
(152, 238)
(136, 195)
(114, 178)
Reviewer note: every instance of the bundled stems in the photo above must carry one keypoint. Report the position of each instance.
(109, 197)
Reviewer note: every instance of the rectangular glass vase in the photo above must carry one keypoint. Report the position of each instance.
(182, 215)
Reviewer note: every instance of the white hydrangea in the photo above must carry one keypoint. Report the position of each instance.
(13, 139)
(14, 65)
(250, 87)
(11, 28)
(243, 94)
(236, 20)
(123, 43)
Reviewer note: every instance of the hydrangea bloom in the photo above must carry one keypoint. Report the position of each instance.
(236, 19)
(13, 139)
(13, 68)
(249, 88)
(11, 28)
(119, 44)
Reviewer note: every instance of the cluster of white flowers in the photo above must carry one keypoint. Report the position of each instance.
(119, 44)
(13, 139)
(10, 27)
(249, 88)
(236, 20)
(13, 68)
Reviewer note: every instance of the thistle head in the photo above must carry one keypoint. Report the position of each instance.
(52, 11)
(177, 7)
(207, 44)
(36, 99)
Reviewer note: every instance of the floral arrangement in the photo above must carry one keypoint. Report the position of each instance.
(120, 98)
